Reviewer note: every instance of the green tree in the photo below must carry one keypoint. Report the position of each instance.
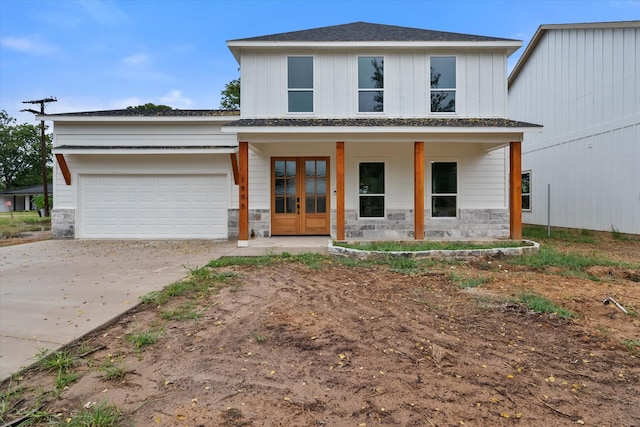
(231, 95)
(150, 108)
(20, 157)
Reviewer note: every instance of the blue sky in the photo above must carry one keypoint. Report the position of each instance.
(107, 54)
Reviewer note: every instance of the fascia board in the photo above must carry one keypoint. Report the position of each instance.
(375, 130)
(135, 119)
(145, 151)
(509, 46)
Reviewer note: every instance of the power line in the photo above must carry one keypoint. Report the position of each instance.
(43, 147)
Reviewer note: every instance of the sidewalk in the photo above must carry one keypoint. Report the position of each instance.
(55, 291)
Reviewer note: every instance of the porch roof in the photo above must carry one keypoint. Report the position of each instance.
(495, 132)
(420, 122)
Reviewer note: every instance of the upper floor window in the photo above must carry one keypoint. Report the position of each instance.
(370, 84)
(300, 84)
(444, 189)
(443, 84)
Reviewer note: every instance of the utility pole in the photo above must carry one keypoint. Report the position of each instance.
(43, 148)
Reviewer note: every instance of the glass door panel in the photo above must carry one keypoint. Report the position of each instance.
(299, 196)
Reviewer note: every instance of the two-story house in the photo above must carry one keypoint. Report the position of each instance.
(357, 131)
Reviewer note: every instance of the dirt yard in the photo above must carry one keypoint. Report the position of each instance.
(329, 344)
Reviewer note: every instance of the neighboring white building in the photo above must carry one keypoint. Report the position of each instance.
(357, 131)
(582, 83)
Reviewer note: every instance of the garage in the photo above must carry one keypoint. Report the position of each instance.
(137, 206)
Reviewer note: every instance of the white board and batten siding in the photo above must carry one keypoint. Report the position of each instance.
(481, 84)
(583, 85)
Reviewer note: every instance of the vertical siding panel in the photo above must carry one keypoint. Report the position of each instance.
(630, 74)
(485, 82)
(617, 73)
(607, 74)
(472, 87)
(498, 71)
(588, 87)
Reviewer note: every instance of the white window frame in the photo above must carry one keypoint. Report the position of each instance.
(456, 194)
(312, 89)
(368, 89)
(527, 172)
(384, 195)
(440, 89)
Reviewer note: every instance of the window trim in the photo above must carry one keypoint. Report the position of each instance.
(432, 194)
(359, 89)
(311, 89)
(384, 195)
(454, 89)
(526, 172)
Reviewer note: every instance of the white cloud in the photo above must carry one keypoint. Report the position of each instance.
(105, 12)
(175, 99)
(30, 44)
(136, 60)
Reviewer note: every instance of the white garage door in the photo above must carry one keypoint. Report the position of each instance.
(152, 206)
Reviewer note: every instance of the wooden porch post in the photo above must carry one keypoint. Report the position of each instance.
(243, 194)
(340, 191)
(515, 190)
(418, 189)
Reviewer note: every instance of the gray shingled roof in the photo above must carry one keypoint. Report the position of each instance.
(364, 31)
(139, 113)
(386, 122)
(27, 191)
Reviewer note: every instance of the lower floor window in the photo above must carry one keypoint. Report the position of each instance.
(371, 191)
(526, 191)
(444, 189)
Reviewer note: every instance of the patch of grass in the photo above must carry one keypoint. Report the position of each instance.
(201, 281)
(401, 246)
(186, 311)
(403, 265)
(21, 222)
(539, 233)
(467, 282)
(540, 304)
(311, 260)
(62, 361)
(9, 398)
(260, 339)
(617, 235)
(100, 415)
(633, 345)
(142, 339)
(112, 369)
(567, 263)
(64, 379)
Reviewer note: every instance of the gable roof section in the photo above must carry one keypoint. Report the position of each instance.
(543, 29)
(364, 31)
(365, 34)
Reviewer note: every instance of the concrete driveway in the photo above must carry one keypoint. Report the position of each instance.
(55, 291)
